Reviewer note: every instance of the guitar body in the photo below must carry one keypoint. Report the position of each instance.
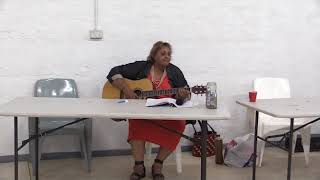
(111, 92)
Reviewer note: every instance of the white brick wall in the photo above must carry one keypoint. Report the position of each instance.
(230, 42)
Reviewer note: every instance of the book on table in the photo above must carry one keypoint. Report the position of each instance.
(167, 101)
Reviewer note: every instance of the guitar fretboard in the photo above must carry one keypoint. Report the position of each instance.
(161, 92)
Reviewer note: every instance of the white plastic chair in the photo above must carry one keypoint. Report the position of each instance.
(269, 88)
(177, 154)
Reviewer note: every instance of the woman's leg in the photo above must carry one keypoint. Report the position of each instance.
(163, 153)
(138, 148)
(157, 165)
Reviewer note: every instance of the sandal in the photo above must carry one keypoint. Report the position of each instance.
(157, 176)
(136, 175)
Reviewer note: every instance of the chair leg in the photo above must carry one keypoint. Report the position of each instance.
(88, 140)
(294, 141)
(306, 138)
(262, 146)
(84, 148)
(149, 150)
(89, 150)
(178, 158)
(81, 149)
(33, 151)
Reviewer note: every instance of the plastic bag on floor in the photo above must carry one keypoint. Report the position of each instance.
(239, 151)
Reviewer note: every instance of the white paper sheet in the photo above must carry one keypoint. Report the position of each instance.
(167, 101)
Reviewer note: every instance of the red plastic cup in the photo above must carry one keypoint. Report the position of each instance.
(252, 96)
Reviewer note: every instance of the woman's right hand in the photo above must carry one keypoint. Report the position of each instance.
(129, 94)
(121, 84)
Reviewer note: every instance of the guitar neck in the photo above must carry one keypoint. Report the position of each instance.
(160, 92)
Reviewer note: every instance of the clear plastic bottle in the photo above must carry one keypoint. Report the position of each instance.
(211, 95)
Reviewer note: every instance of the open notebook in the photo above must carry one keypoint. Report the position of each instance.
(167, 101)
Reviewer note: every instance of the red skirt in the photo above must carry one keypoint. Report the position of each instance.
(146, 131)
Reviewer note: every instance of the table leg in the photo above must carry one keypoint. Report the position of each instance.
(204, 130)
(37, 148)
(290, 148)
(16, 148)
(255, 146)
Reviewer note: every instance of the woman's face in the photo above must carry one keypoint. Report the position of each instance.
(163, 56)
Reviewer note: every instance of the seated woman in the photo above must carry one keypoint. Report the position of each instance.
(163, 75)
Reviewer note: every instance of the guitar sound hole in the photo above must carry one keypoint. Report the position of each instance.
(138, 92)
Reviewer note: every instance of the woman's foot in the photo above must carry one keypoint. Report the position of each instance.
(157, 170)
(139, 171)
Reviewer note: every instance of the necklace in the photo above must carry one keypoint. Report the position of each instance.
(156, 83)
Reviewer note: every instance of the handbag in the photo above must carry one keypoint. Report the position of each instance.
(196, 148)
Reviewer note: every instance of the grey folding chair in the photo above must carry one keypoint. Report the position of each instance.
(64, 88)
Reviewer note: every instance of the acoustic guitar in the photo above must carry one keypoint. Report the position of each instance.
(144, 89)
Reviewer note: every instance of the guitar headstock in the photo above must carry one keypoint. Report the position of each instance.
(199, 89)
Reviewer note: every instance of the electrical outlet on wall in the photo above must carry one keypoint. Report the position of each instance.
(96, 34)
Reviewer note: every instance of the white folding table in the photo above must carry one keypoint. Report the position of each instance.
(104, 108)
(283, 108)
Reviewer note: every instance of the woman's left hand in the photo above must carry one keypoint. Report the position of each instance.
(183, 93)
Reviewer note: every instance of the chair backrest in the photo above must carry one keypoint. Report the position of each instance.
(54, 87)
(269, 88)
(57, 87)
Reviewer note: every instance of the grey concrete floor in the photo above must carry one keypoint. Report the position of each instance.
(119, 167)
